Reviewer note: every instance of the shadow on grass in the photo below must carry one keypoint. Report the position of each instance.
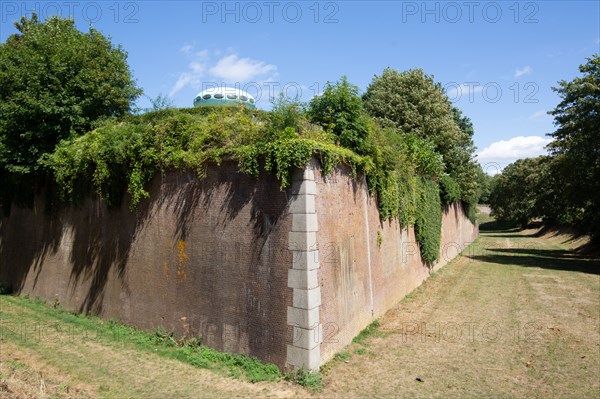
(497, 227)
(509, 234)
(554, 259)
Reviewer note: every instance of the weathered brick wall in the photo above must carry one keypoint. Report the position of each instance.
(359, 279)
(204, 257)
(287, 276)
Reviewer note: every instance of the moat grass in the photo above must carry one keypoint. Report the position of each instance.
(51, 322)
(32, 322)
(360, 346)
(35, 322)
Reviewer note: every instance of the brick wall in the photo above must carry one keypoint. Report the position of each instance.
(360, 279)
(202, 258)
(287, 276)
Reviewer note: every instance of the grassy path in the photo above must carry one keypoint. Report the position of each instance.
(515, 316)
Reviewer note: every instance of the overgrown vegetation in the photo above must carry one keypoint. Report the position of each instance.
(160, 342)
(311, 380)
(55, 83)
(129, 152)
(366, 333)
(414, 148)
(563, 188)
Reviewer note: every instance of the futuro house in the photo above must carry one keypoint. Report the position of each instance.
(223, 96)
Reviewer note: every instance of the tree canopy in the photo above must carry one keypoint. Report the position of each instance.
(339, 110)
(564, 187)
(413, 103)
(55, 82)
(576, 144)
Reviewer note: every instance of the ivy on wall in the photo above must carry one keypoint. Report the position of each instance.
(124, 155)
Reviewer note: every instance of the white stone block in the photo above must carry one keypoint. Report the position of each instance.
(308, 339)
(305, 260)
(309, 174)
(303, 318)
(302, 203)
(302, 241)
(308, 359)
(308, 187)
(305, 222)
(303, 279)
(307, 299)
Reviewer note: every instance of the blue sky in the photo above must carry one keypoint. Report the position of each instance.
(497, 59)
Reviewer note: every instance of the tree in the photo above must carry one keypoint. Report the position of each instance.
(339, 110)
(515, 193)
(55, 83)
(576, 146)
(159, 103)
(484, 185)
(414, 103)
(460, 162)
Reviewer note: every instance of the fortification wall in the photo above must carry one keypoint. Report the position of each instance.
(287, 276)
(203, 257)
(360, 278)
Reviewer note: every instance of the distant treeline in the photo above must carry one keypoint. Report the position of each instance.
(564, 187)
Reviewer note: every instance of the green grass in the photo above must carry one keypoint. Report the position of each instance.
(310, 380)
(159, 342)
(369, 331)
(343, 356)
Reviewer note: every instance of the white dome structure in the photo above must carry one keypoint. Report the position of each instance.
(223, 96)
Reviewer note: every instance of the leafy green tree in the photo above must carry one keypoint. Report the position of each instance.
(515, 194)
(460, 163)
(412, 102)
(576, 146)
(484, 185)
(287, 115)
(339, 110)
(55, 83)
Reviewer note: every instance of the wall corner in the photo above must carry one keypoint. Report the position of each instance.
(304, 314)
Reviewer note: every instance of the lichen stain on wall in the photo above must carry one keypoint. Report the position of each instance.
(182, 259)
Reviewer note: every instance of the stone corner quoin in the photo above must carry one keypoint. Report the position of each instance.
(303, 315)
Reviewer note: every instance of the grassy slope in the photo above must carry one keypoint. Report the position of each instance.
(516, 316)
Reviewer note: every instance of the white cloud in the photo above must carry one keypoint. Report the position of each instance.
(197, 68)
(185, 79)
(230, 69)
(186, 49)
(202, 54)
(234, 69)
(503, 152)
(526, 70)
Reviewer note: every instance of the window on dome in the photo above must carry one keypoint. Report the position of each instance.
(218, 95)
(251, 101)
(231, 96)
(206, 96)
(243, 98)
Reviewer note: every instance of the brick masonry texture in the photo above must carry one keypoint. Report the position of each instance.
(287, 276)
(202, 258)
(360, 280)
